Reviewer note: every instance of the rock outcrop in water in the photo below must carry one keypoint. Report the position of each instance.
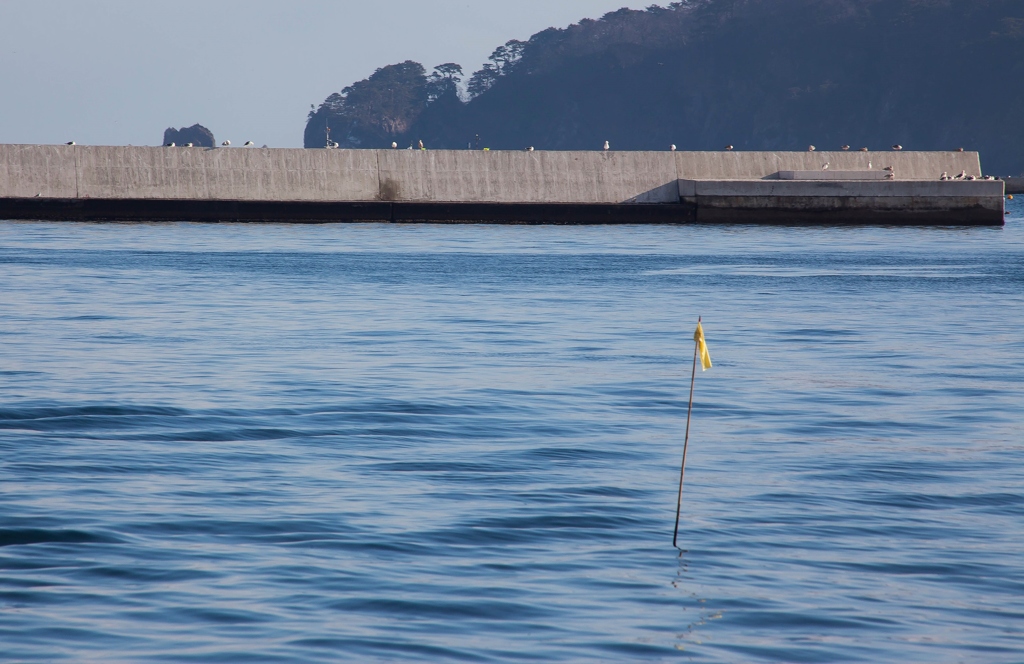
(197, 135)
(702, 74)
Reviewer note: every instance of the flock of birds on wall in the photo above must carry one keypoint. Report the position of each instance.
(606, 148)
(891, 173)
(225, 144)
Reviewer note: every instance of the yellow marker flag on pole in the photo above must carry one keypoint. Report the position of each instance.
(705, 356)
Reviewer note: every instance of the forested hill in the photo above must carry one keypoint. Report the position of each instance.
(756, 74)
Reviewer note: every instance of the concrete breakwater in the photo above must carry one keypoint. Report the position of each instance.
(238, 184)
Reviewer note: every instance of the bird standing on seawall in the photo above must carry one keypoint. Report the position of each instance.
(226, 144)
(607, 146)
(394, 145)
(863, 149)
(944, 176)
(421, 146)
(846, 148)
(672, 147)
(728, 148)
(811, 148)
(897, 147)
(70, 143)
(170, 145)
(249, 144)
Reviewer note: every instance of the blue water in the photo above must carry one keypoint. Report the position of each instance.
(273, 443)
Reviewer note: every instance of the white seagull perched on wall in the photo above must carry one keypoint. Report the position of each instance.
(672, 147)
(188, 145)
(70, 143)
(728, 148)
(226, 144)
(607, 146)
(169, 145)
(394, 145)
(846, 148)
(811, 148)
(897, 147)
(249, 144)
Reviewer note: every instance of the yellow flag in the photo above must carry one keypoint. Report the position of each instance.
(705, 356)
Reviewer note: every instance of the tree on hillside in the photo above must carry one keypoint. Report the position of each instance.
(444, 80)
(373, 111)
(503, 62)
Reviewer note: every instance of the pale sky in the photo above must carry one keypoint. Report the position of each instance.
(119, 72)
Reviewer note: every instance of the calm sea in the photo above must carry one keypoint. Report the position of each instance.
(273, 443)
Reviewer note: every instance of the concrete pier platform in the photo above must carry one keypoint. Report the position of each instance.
(1015, 185)
(239, 184)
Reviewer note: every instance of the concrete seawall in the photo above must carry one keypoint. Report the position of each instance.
(239, 184)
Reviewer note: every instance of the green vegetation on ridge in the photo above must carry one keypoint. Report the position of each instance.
(757, 74)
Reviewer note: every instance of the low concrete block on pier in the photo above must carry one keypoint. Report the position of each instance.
(887, 202)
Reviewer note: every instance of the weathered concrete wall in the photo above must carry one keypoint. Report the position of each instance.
(220, 174)
(766, 165)
(77, 182)
(527, 177)
(47, 171)
(420, 176)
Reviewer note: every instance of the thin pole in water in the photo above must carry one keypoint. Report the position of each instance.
(686, 441)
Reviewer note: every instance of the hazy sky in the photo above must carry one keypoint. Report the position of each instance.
(117, 72)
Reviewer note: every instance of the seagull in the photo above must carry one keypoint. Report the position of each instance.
(944, 176)
(989, 177)
(887, 168)
(897, 147)
(825, 166)
(337, 145)
(869, 165)
(169, 145)
(226, 144)
(529, 149)
(959, 149)
(421, 146)
(394, 145)
(188, 145)
(249, 144)
(70, 143)
(971, 177)
(728, 148)
(607, 146)
(963, 174)
(863, 149)
(811, 148)
(846, 148)
(672, 147)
